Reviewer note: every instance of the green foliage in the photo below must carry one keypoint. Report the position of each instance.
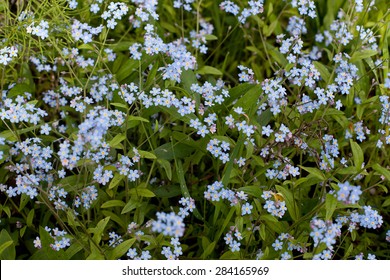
(117, 164)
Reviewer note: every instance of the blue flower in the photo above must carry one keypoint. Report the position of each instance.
(246, 209)
(277, 245)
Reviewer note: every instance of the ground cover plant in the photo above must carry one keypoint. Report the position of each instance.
(194, 129)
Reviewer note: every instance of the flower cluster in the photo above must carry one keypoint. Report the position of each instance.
(132, 254)
(125, 83)
(324, 232)
(175, 253)
(296, 26)
(188, 204)
(169, 224)
(115, 11)
(216, 191)
(145, 9)
(219, 149)
(186, 4)
(341, 31)
(359, 130)
(305, 7)
(7, 53)
(276, 206)
(280, 241)
(84, 32)
(42, 65)
(246, 75)
(346, 74)
(60, 241)
(90, 134)
(114, 239)
(233, 238)
(125, 164)
(255, 8)
(20, 111)
(276, 94)
(348, 193)
(34, 158)
(370, 218)
(88, 196)
(58, 195)
(41, 30)
(329, 153)
(198, 39)
(282, 174)
(361, 256)
(212, 94)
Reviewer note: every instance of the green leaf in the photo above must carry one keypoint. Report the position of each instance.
(360, 55)
(86, 47)
(205, 70)
(262, 231)
(142, 192)
(225, 223)
(180, 175)
(152, 75)
(24, 199)
(137, 118)
(167, 191)
(30, 217)
(121, 249)
(131, 205)
(19, 89)
(73, 250)
(254, 191)
(99, 229)
(357, 152)
(386, 202)
(183, 185)
(291, 204)
(323, 71)
(4, 246)
(145, 154)
(114, 143)
(382, 170)
(210, 37)
(209, 250)
(115, 218)
(123, 46)
(188, 78)
(276, 55)
(167, 151)
(167, 167)
(96, 254)
(116, 180)
(330, 206)
(229, 166)
(348, 252)
(127, 69)
(11, 135)
(119, 105)
(112, 203)
(271, 28)
(314, 171)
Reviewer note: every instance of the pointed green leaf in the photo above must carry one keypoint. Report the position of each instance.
(357, 152)
(330, 206)
(382, 170)
(291, 204)
(116, 180)
(209, 70)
